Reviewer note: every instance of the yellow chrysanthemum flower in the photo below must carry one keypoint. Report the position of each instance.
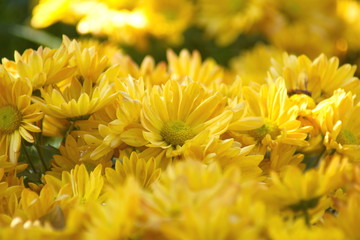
(78, 186)
(89, 63)
(338, 118)
(124, 127)
(243, 119)
(191, 65)
(253, 65)
(17, 115)
(76, 152)
(42, 67)
(301, 191)
(307, 117)
(315, 25)
(12, 167)
(171, 17)
(107, 51)
(197, 201)
(48, 12)
(9, 173)
(309, 41)
(143, 170)
(318, 78)
(159, 156)
(176, 114)
(280, 122)
(10, 191)
(121, 22)
(120, 216)
(33, 205)
(228, 20)
(42, 216)
(186, 185)
(177, 151)
(77, 99)
(151, 73)
(282, 156)
(54, 127)
(120, 25)
(227, 153)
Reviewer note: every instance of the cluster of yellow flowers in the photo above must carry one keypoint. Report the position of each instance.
(328, 26)
(183, 149)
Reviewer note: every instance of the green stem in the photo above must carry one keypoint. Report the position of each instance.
(28, 157)
(41, 156)
(40, 136)
(38, 143)
(71, 127)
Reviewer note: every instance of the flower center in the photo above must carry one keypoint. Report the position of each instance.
(268, 128)
(346, 137)
(176, 132)
(10, 119)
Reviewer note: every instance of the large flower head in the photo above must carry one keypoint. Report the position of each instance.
(176, 114)
(338, 118)
(299, 190)
(17, 115)
(78, 98)
(192, 200)
(123, 128)
(42, 67)
(318, 78)
(79, 186)
(280, 122)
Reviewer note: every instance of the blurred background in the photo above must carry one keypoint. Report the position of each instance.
(222, 30)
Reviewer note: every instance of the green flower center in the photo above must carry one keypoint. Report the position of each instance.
(346, 137)
(10, 119)
(268, 128)
(176, 132)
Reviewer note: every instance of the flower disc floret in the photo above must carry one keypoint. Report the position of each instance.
(176, 132)
(346, 137)
(10, 119)
(268, 128)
